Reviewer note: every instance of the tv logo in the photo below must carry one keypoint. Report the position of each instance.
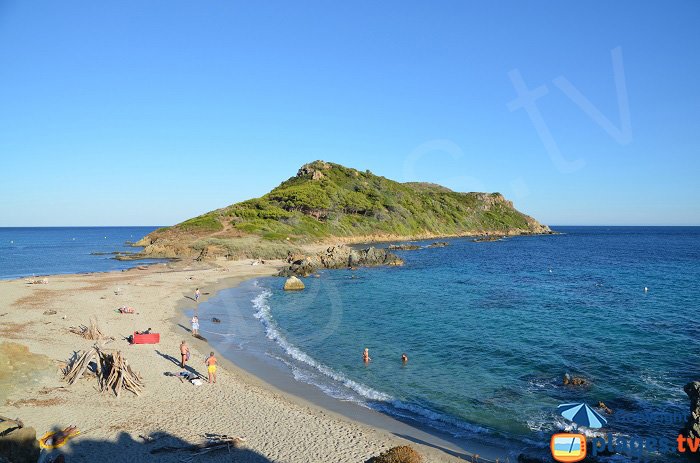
(568, 448)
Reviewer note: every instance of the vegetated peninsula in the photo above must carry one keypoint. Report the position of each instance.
(330, 203)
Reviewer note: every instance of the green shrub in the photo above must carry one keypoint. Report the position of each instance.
(207, 222)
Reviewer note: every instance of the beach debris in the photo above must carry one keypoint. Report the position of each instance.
(125, 309)
(193, 378)
(400, 454)
(50, 312)
(293, 284)
(570, 380)
(18, 443)
(605, 408)
(212, 443)
(112, 370)
(38, 281)
(93, 332)
(56, 439)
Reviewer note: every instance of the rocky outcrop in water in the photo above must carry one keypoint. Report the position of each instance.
(692, 426)
(338, 257)
(293, 284)
(403, 247)
(570, 380)
(438, 244)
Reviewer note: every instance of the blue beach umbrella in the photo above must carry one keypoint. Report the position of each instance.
(582, 415)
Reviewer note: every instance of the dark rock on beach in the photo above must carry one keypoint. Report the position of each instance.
(338, 257)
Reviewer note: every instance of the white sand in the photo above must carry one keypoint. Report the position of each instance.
(277, 427)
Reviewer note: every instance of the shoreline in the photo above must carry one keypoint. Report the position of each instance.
(281, 381)
(286, 427)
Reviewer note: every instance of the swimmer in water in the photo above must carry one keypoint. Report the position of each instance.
(365, 356)
(404, 358)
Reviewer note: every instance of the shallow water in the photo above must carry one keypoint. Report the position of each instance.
(491, 328)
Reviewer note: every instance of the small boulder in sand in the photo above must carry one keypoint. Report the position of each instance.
(293, 284)
(400, 454)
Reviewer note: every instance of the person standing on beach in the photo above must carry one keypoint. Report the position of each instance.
(196, 295)
(365, 356)
(184, 354)
(195, 325)
(210, 362)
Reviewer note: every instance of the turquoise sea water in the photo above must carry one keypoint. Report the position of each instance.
(30, 251)
(490, 329)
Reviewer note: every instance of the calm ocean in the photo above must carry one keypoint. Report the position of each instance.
(51, 250)
(490, 329)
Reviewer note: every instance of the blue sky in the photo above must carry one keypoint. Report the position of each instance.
(135, 113)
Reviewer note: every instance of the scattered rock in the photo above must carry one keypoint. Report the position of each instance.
(293, 284)
(400, 454)
(438, 244)
(574, 380)
(50, 312)
(403, 247)
(215, 320)
(487, 238)
(605, 408)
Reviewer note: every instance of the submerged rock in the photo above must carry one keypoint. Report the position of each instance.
(403, 247)
(574, 380)
(438, 244)
(293, 284)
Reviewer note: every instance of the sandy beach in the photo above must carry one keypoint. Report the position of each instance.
(277, 426)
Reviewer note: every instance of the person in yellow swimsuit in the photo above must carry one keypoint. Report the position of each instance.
(211, 367)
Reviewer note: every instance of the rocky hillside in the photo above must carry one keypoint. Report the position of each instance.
(328, 202)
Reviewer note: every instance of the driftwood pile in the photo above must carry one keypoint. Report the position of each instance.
(112, 370)
(93, 332)
(213, 442)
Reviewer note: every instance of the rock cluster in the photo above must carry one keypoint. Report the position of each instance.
(438, 244)
(403, 247)
(692, 426)
(574, 380)
(314, 170)
(338, 257)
